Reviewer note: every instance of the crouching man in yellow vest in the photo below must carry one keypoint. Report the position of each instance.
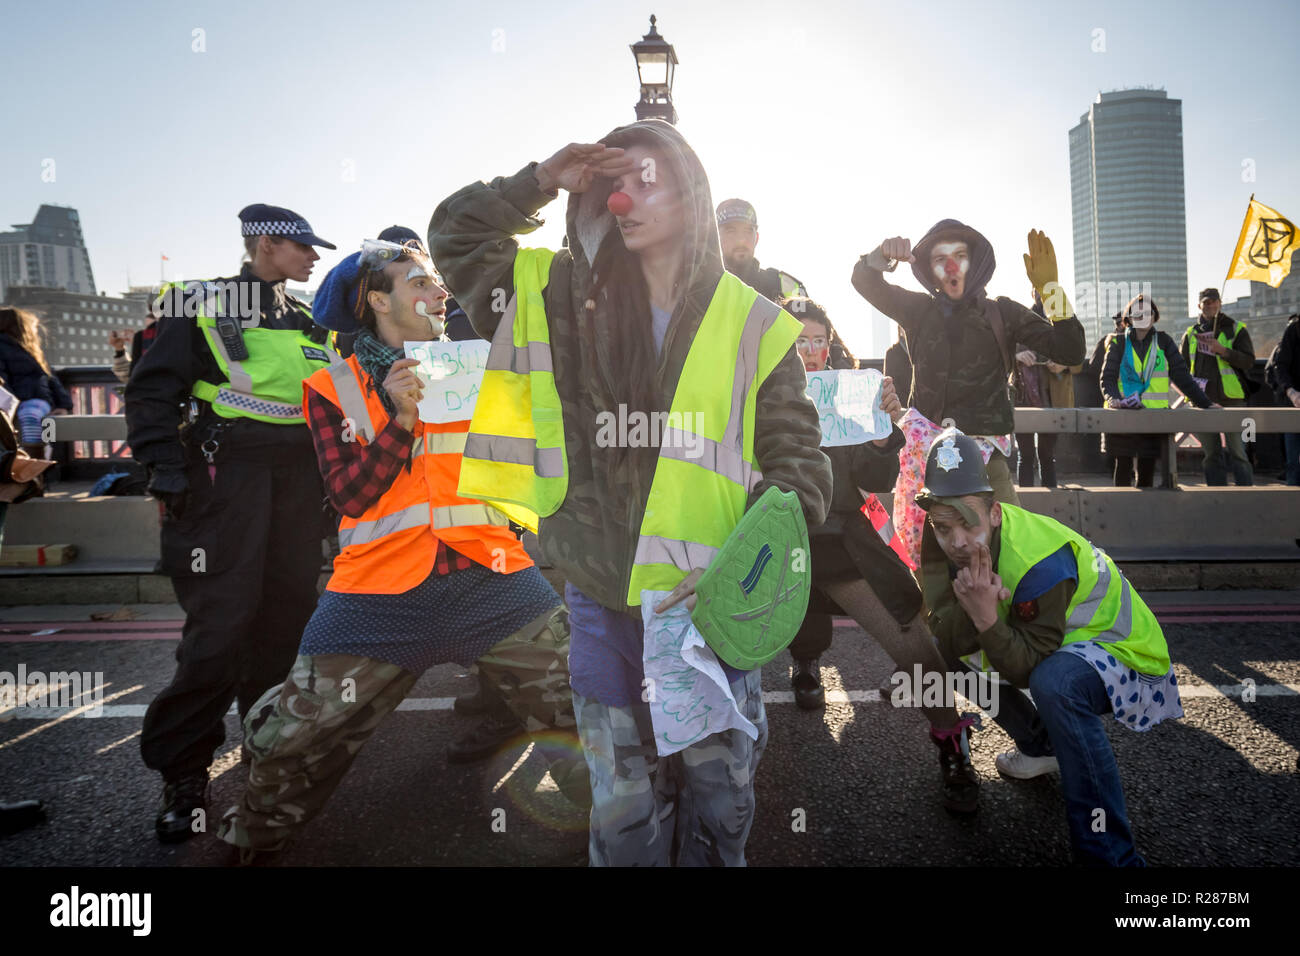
(639, 399)
(424, 575)
(1035, 602)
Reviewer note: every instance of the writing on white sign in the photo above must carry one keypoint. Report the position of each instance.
(848, 404)
(452, 374)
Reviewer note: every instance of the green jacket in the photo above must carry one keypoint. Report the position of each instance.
(1014, 646)
(592, 537)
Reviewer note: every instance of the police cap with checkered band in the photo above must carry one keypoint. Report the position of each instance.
(259, 219)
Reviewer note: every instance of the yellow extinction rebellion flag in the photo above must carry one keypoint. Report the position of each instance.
(1264, 249)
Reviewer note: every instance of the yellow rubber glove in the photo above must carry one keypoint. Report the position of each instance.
(1040, 266)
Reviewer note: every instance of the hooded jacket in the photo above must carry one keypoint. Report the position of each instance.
(958, 367)
(592, 537)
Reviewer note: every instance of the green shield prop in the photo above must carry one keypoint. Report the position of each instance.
(752, 599)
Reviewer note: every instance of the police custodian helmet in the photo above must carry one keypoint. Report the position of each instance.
(953, 468)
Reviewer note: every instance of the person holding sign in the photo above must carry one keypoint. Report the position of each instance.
(855, 571)
(1139, 366)
(424, 576)
(635, 322)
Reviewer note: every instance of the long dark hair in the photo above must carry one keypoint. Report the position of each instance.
(805, 309)
(616, 302)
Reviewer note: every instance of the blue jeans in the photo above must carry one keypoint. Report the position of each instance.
(1212, 454)
(1292, 444)
(1072, 702)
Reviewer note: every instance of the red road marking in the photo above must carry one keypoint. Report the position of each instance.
(25, 632)
(1226, 619)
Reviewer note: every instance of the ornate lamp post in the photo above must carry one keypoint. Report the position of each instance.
(655, 61)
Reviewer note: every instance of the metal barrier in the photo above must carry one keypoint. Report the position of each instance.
(93, 437)
(1155, 421)
(1134, 524)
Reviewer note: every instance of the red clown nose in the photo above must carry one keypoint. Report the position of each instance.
(620, 204)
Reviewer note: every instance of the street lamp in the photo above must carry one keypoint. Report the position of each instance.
(655, 62)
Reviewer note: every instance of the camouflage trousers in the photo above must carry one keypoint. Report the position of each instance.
(693, 808)
(305, 733)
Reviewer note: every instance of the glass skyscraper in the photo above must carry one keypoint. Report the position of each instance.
(1130, 221)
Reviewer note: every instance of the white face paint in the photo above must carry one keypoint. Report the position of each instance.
(945, 250)
(1141, 317)
(435, 325)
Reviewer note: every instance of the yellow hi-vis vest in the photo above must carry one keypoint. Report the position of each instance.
(1147, 377)
(515, 456)
(1227, 374)
(514, 453)
(1105, 608)
(706, 467)
(266, 386)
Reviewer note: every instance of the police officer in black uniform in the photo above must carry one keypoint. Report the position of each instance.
(214, 412)
(738, 232)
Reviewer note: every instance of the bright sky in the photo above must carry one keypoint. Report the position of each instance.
(843, 122)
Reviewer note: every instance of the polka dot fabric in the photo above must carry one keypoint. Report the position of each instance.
(451, 617)
(1139, 701)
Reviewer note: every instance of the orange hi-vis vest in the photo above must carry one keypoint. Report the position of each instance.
(390, 548)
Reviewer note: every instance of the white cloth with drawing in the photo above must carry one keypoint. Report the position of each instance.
(685, 686)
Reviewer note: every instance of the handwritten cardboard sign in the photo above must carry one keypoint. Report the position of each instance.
(452, 374)
(848, 404)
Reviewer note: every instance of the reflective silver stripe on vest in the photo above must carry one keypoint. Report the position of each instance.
(1123, 626)
(240, 381)
(709, 455)
(351, 401)
(416, 516)
(1084, 612)
(652, 549)
(257, 406)
(546, 462)
(445, 443)
(762, 314)
(505, 356)
(465, 516)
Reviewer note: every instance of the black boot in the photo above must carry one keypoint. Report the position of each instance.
(471, 705)
(807, 684)
(20, 816)
(961, 783)
(493, 732)
(180, 798)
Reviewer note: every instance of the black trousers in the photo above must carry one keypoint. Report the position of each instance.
(244, 559)
(1146, 472)
(855, 552)
(1044, 456)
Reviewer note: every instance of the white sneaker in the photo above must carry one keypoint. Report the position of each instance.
(1013, 763)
